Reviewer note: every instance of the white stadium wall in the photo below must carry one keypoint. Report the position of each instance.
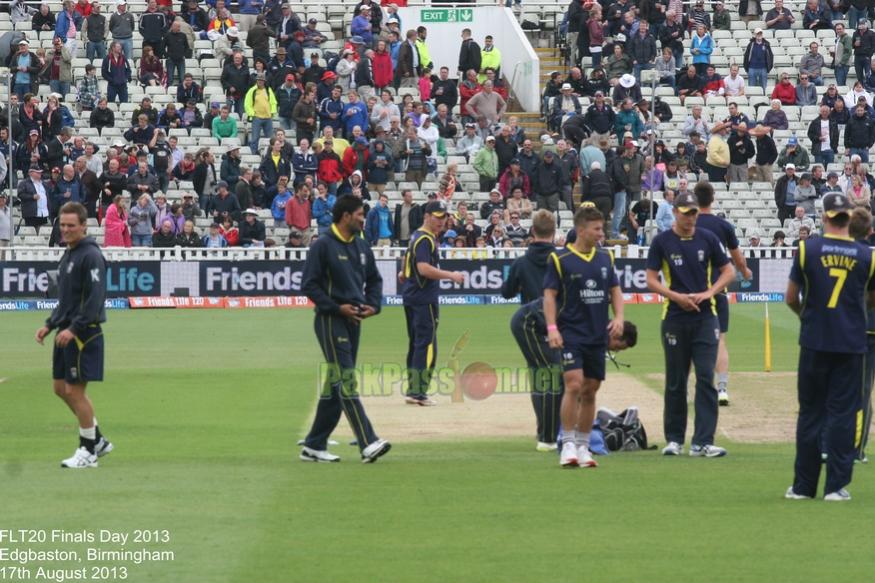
(445, 27)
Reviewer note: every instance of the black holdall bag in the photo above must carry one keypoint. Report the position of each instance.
(623, 431)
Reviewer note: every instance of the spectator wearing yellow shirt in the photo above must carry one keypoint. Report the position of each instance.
(421, 49)
(718, 154)
(490, 57)
(260, 106)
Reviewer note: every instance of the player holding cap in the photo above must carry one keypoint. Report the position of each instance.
(419, 288)
(687, 256)
(78, 355)
(830, 286)
(579, 286)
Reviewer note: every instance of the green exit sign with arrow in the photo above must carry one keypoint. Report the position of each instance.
(446, 15)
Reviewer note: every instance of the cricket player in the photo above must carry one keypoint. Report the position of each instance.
(687, 257)
(78, 354)
(860, 230)
(830, 286)
(579, 287)
(342, 279)
(529, 329)
(420, 287)
(725, 232)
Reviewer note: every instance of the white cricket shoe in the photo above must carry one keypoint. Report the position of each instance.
(723, 398)
(420, 401)
(80, 459)
(584, 458)
(791, 495)
(309, 454)
(707, 451)
(673, 448)
(103, 447)
(371, 453)
(544, 446)
(568, 458)
(838, 496)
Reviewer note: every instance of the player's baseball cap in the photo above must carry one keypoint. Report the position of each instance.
(436, 208)
(686, 202)
(836, 203)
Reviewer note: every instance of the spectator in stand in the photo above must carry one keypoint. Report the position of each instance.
(741, 149)
(626, 87)
(812, 65)
(666, 68)
(642, 49)
(775, 118)
(517, 203)
(280, 195)
(806, 93)
(165, 236)
(512, 178)
(224, 204)
(859, 133)
(618, 63)
(627, 120)
(43, 20)
(188, 236)
(784, 91)
(214, 239)
(701, 47)
(102, 116)
(816, 16)
(794, 154)
(824, 135)
(323, 203)
(141, 219)
(116, 71)
(378, 226)
(853, 96)
(779, 18)
(116, 232)
(734, 83)
(758, 59)
(299, 213)
(690, 84)
(600, 116)
(252, 231)
(274, 164)
(714, 86)
(550, 182)
(863, 42)
(488, 104)
(486, 164)
(717, 161)
(597, 189)
(330, 168)
(841, 54)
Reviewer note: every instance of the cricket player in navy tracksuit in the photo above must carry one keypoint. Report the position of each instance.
(78, 354)
(580, 286)
(687, 256)
(725, 232)
(526, 279)
(420, 288)
(861, 230)
(830, 285)
(342, 279)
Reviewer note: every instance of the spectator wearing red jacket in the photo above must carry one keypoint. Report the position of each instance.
(514, 177)
(356, 158)
(468, 89)
(330, 169)
(299, 212)
(784, 91)
(382, 64)
(714, 86)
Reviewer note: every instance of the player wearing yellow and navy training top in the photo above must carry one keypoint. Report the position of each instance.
(420, 289)
(687, 256)
(580, 286)
(830, 285)
(725, 232)
(342, 280)
(78, 355)
(861, 230)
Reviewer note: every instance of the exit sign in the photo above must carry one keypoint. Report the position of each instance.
(449, 15)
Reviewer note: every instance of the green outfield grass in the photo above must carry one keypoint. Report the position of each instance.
(205, 407)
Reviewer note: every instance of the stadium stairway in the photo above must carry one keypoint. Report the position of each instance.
(532, 122)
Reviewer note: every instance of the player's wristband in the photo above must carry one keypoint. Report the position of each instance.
(552, 328)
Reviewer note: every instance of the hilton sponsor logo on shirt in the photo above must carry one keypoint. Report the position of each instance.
(590, 294)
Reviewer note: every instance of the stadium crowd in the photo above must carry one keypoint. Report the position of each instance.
(351, 123)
